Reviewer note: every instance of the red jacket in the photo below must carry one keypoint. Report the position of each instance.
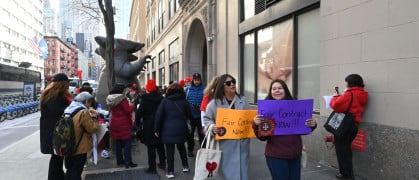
(340, 103)
(121, 117)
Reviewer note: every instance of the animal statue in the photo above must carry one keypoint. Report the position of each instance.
(126, 65)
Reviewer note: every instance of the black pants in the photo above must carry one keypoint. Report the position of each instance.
(195, 124)
(55, 170)
(74, 166)
(170, 150)
(151, 150)
(344, 153)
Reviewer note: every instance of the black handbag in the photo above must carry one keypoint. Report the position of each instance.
(339, 124)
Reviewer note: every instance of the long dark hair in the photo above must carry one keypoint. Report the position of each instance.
(175, 88)
(219, 88)
(287, 96)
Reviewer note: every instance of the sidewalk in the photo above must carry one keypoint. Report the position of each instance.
(23, 160)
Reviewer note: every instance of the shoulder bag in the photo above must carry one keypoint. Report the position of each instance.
(339, 124)
(208, 158)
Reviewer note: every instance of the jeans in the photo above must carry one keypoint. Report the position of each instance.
(126, 145)
(55, 170)
(170, 151)
(74, 166)
(284, 169)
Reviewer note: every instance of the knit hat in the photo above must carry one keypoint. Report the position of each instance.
(83, 96)
(196, 76)
(60, 77)
(182, 82)
(188, 79)
(151, 85)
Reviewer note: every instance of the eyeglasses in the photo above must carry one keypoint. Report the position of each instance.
(228, 83)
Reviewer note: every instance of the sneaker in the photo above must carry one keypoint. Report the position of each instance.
(105, 154)
(170, 175)
(185, 169)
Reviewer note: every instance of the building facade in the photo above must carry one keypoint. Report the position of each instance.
(312, 45)
(62, 58)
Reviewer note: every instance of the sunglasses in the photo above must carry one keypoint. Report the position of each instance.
(228, 83)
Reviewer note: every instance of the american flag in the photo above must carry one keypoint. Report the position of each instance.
(33, 43)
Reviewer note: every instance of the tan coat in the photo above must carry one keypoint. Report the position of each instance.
(83, 120)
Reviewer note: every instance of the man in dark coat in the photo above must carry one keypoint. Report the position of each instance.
(144, 118)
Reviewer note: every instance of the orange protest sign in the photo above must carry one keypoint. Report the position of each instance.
(235, 124)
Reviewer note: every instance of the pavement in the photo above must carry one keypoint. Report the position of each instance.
(23, 160)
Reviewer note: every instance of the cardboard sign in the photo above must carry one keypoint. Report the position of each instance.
(360, 141)
(289, 115)
(235, 124)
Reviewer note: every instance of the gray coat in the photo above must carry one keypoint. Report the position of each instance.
(235, 153)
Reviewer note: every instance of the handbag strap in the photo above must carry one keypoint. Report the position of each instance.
(350, 103)
(180, 109)
(210, 141)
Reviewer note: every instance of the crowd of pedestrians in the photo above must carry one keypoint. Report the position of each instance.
(166, 120)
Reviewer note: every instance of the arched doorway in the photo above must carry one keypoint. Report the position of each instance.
(196, 51)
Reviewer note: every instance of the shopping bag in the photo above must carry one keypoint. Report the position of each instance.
(208, 158)
(360, 141)
(339, 124)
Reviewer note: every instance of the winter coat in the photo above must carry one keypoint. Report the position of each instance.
(50, 113)
(121, 116)
(340, 103)
(170, 122)
(194, 94)
(84, 125)
(145, 115)
(235, 153)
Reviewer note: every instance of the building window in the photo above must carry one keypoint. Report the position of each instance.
(308, 57)
(161, 77)
(161, 15)
(153, 63)
(249, 67)
(161, 58)
(172, 8)
(174, 72)
(249, 9)
(268, 54)
(173, 51)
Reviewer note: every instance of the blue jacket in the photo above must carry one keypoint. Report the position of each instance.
(170, 122)
(194, 94)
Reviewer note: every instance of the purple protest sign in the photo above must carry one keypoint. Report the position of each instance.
(289, 115)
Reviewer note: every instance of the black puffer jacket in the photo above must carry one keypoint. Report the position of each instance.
(171, 123)
(147, 111)
(50, 113)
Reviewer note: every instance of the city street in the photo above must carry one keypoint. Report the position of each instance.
(19, 152)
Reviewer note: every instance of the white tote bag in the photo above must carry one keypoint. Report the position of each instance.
(208, 158)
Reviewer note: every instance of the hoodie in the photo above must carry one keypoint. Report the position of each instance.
(121, 116)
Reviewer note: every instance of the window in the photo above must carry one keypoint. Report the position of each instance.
(249, 67)
(274, 56)
(174, 72)
(161, 76)
(173, 51)
(173, 7)
(161, 15)
(249, 8)
(161, 58)
(268, 54)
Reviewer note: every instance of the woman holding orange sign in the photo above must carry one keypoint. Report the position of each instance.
(282, 152)
(235, 153)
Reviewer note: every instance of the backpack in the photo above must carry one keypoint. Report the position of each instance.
(63, 140)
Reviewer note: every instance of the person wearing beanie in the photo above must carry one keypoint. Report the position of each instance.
(182, 83)
(144, 118)
(188, 81)
(194, 95)
(85, 123)
(55, 98)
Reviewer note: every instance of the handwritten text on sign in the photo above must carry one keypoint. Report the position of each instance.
(289, 115)
(235, 124)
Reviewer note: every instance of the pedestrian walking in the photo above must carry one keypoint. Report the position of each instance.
(145, 117)
(121, 122)
(85, 123)
(171, 126)
(340, 103)
(282, 152)
(235, 153)
(55, 98)
(194, 95)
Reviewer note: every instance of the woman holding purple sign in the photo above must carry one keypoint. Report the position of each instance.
(282, 152)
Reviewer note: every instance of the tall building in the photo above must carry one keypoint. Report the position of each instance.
(312, 45)
(21, 27)
(122, 17)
